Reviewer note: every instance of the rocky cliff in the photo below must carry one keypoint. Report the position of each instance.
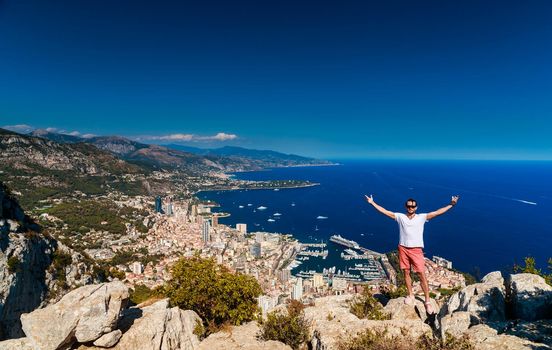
(28, 277)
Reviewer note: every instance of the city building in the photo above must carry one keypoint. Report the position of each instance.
(256, 249)
(242, 228)
(205, 231)
(214, 219)
(267, 303)
(137, 268)
(259, 237)
(158, 205)
(339, 284)
(442, 262)
(297, 292)
(317, 280)
(284, 275)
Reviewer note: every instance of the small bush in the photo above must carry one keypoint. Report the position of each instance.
(14, 264)
(380, 340)
(366, 306)
(393, 292)
(290, 328)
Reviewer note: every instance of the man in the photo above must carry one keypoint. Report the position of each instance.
(411, 243)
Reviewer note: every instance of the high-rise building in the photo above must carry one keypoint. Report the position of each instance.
(267, 303)
(259, 237)
(205, 231)
(297, 292)
(256, 249)
(284, 275)
(194, 210)
(214, 219)
(317, 280)
(242, 228)
(158, 205)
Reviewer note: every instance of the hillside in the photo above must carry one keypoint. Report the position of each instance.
(36, 169)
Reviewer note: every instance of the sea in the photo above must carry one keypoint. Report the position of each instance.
(504, 213)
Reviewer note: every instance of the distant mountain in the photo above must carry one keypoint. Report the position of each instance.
(57, 137)
(265, 158)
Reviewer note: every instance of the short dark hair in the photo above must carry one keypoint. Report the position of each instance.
(410, 200)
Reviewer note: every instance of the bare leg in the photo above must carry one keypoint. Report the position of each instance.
(425, 286)
(408, 281)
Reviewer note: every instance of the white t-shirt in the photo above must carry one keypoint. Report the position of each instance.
(411, 230)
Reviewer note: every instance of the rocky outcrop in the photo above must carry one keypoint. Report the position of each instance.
(479, 311)
(484, 301)
(531, 297)
(244, 337)
(158, 327)
(332, 321)
(83, 315)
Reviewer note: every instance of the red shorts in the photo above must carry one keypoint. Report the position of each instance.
(411, 256)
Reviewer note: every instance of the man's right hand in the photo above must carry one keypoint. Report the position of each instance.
(369, 199)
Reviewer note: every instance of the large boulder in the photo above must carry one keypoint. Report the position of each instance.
(332, 322)
(455, 324)
(484, 301)
(240, 338)
(531, 297)
(82, 315)
(484, 337)
(398, 310)
(537, 331)
(158, 327)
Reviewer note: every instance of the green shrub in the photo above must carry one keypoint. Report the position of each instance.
(290, 328)
(14, 264)
(217, 295)
(366, 306)
(393, 292)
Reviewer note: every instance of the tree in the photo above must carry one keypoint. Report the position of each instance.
(217, 295)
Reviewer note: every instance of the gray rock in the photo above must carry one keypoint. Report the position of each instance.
(327, 331)
(455, 324)
(157, 327)
(240, 338)
(398, 310)
(108, 340)
(532, 297)
(19, 344)
(538, 331)
(82, 315)
(484, 301)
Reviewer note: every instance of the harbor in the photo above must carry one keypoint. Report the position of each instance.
(368, 265)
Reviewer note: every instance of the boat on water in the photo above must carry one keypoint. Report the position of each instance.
(320, 217)
(262, 208)
(344, 242)
(249, 204)
(277, 214)
(241, 206)
(270, 220)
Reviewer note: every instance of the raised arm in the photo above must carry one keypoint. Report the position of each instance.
(444, 209)
(380, 208)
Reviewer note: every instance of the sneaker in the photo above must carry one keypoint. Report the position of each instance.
(429, 308)
(409, 300)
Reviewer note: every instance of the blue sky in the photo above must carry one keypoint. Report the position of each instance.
(385, 79)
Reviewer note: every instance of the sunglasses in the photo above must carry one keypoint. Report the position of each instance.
(411, 206)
